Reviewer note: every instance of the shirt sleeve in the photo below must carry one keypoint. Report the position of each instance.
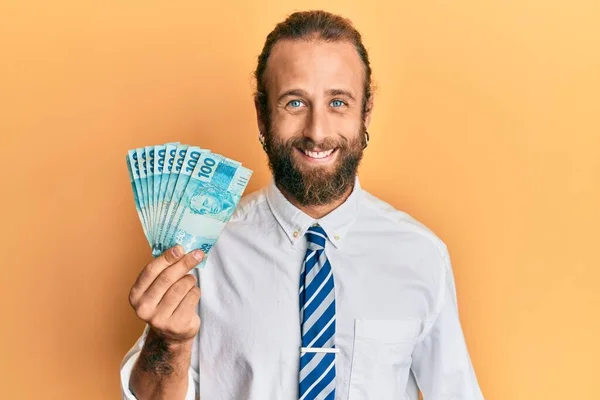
(441, 363)
(132, 356)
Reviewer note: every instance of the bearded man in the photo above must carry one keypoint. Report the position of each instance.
(316, 289)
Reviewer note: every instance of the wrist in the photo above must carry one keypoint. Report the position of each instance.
(165, 357)
(171, 346)
(179, 346)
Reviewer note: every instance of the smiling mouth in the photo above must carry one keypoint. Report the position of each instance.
(318, 155)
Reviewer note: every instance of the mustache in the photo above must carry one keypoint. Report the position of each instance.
(305, 143)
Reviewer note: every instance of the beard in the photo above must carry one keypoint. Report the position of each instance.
(315, 185)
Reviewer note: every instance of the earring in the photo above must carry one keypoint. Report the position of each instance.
(366, 139)
(261, 139)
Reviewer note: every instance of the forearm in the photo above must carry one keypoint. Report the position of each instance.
(161, 371)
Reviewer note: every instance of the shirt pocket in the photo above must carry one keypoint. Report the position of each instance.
(381, 358)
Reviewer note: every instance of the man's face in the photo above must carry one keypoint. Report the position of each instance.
(315, 131)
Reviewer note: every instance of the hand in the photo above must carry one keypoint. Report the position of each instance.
(165, 296)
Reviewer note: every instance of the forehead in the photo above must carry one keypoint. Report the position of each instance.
(314, 66)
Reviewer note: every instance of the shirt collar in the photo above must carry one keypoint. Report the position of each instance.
(295, 222)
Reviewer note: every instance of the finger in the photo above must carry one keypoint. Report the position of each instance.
(152, 270)
(174, 296)
(169, 276)
(188, 305)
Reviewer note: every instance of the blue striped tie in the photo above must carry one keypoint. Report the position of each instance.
(317, 321)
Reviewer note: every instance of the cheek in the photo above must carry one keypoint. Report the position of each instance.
(287, 125)
(349, 127)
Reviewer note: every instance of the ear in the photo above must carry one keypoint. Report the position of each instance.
(369, 112)
(260, 118)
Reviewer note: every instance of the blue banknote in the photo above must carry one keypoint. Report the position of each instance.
(157, 157)
(167, 167)
(210, 198)
(187, 167)
(144, 203)
(134, 177)
(184, 194)
(150, 185)
(180, 152)
(202, 168)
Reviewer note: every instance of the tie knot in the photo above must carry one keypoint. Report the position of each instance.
(316, 237)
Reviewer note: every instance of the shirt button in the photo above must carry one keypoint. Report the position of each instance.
(296, 233)
(337, 237)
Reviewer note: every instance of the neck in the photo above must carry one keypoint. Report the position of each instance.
(317, 211)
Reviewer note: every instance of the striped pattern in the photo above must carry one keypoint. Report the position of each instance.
(317, 320)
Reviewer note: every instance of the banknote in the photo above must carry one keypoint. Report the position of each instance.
(170, 151)
(141, 158)
(149, 184)
(158, 158)
(203, 167)
(134, 177)
(184, 194)
(189, 162)
(180, 153)
(157, 161)
(210, 198)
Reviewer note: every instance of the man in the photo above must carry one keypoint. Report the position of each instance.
(316, 289)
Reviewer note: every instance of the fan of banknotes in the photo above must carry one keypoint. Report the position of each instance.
(184, 194)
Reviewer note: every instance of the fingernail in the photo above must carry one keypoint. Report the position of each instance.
(198, 255)
(177, 251)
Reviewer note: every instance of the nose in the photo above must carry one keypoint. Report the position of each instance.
(318, 125)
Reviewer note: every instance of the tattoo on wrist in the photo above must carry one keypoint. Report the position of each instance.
(157, 356)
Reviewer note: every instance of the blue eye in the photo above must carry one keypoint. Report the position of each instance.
(295, 103)
(337, 103)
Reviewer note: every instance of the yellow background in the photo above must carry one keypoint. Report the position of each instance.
(486, 129)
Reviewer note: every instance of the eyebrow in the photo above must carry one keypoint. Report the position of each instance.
(340, 92)
(330, 92)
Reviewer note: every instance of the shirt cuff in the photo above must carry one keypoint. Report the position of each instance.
(126, 375)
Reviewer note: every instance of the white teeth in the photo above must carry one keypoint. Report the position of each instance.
(320, 154)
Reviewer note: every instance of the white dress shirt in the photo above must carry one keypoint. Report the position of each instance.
(397, 322)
